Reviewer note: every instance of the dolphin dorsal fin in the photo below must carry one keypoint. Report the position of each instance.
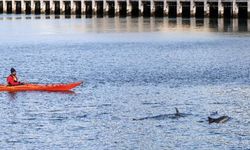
(177, 112)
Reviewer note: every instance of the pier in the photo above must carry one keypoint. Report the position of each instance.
(134, 8)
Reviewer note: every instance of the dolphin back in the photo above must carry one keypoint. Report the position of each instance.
(210, 120)
(221, 119)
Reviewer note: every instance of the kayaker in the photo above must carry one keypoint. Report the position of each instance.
(12, 79)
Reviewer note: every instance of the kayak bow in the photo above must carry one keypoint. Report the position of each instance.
(40, 87)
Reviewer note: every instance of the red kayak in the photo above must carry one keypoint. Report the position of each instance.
(40, 87)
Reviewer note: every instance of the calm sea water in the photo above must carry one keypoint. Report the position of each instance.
(132, 68)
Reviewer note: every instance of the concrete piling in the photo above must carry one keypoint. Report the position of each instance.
(134, 8)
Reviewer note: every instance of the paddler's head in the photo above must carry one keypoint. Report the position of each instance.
(13, 71)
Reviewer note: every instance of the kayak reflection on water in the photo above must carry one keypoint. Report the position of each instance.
(12, 79)
(13, 95)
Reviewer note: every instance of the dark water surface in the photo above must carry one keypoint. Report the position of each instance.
(132, 68)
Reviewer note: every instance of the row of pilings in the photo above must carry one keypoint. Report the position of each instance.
(178, 8)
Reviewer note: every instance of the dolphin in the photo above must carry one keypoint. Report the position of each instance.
(176, 115)
(221, 119)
